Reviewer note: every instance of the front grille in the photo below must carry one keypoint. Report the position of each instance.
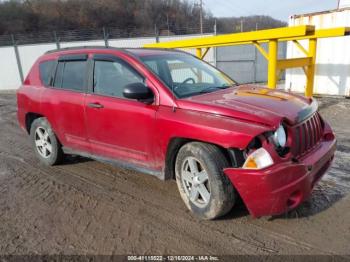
(306, 135)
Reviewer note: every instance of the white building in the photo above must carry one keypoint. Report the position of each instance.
(332, 75)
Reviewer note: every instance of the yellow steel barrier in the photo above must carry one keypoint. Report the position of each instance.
(272, 37)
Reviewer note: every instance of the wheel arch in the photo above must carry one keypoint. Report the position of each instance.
(233, 155)
(30, 117)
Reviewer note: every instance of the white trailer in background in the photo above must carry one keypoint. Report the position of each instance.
(332, 75)
(344, 3)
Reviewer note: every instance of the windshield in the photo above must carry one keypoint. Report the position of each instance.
(186, 75)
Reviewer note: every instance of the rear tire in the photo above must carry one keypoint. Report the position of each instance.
(202, 184)
(46, 146)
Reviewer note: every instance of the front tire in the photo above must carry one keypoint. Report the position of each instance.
(203, 186)
(46, 146)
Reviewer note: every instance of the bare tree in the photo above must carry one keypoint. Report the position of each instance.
(176, 16)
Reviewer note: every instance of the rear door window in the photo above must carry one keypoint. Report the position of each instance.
(71, 75)
(46, 69)
(74, 75)
(59, 74)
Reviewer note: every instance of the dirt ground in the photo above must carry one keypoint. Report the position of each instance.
(86, 207)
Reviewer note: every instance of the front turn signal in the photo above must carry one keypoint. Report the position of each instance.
(259, 159)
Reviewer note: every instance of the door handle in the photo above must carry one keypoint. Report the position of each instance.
(95, 105)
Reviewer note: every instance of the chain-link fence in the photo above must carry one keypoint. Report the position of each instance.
(20, 51)
(98, 34)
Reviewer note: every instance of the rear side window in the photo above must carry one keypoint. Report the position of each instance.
(45, 69)
(71, 75)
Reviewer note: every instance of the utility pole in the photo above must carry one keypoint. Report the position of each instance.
(167, 22)
(215, 27)
(215, 49)
(201, 15)
(156, 33)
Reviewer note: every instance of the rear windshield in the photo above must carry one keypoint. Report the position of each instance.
(45, 69)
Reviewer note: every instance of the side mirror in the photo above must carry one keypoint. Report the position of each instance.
(138, 91)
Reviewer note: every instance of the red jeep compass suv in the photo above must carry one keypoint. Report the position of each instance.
(169, 114)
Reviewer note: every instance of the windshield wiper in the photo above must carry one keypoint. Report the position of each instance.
(209, 89)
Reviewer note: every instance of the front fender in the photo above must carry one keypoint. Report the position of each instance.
(223, 131)
(220, 130)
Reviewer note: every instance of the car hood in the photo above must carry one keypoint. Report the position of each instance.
(253, 103)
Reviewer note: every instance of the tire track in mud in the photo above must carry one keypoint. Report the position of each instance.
(37, 189)
(244, 245)
(87, 207)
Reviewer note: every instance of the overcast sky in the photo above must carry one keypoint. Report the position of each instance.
(280, 9)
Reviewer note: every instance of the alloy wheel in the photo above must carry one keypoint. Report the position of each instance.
(195, 182)
(43, 142)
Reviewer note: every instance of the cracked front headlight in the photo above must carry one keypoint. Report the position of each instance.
(280, 137)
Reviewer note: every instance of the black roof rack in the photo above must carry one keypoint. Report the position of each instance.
(81, 47)
(125, 49)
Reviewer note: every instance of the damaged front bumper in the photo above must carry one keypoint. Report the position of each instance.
(282, 186)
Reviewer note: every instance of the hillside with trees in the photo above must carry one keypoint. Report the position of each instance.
(144, 16)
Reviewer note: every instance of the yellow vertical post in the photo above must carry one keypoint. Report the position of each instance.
(199, 52)
(272, 64)
(310, 72)
(199, 55)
